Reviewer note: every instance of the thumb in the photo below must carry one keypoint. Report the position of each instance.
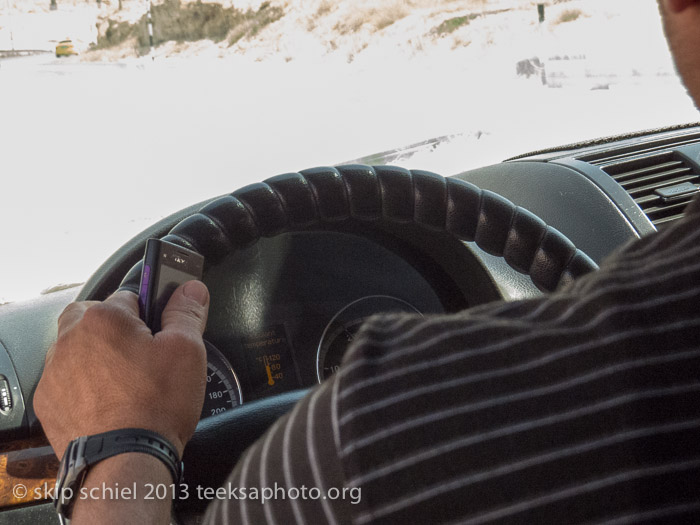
(187, 309)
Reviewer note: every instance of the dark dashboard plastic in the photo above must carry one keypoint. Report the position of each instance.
(563, 198)
(294, 284)
(27, 329)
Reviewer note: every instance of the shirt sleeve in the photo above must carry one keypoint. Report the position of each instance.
(293, 474)
(581, 406)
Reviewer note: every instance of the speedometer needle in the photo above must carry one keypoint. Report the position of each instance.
(270, 381)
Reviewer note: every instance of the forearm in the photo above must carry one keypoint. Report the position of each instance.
(104, 359)
(115, 491)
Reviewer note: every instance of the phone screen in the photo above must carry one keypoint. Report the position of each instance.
(165, 267)
(169, 279)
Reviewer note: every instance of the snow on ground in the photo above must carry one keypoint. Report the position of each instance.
(91, 153)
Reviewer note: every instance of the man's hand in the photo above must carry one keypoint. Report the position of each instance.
(107, 371)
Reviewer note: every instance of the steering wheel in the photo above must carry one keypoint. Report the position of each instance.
(380, 197)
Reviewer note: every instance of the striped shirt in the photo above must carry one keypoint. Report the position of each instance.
(582, 406)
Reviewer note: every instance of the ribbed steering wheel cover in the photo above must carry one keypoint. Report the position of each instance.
(380, 195)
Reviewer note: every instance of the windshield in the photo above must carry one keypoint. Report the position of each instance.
(105, 129)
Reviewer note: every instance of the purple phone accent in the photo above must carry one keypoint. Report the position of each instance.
(143, 291)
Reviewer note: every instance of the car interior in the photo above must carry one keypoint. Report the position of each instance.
(296, 263)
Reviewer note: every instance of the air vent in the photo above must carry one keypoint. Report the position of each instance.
(661, 184)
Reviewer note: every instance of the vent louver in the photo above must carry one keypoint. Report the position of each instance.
(662, 184)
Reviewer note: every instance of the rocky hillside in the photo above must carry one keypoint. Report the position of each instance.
(375, 33)
(288, 29)
(312, 28)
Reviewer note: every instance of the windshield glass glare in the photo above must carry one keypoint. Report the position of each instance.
(104, 129)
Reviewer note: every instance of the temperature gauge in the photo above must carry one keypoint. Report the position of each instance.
(270, 363)
(273, 368)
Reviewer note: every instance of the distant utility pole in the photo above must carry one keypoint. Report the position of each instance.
(540, 11)
(543, 70)
(150, 28)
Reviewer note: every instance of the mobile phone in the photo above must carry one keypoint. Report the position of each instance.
(165, 267)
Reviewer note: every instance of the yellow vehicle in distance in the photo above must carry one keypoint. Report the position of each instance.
(65, 48)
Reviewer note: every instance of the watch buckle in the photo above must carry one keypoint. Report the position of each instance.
(70, 476)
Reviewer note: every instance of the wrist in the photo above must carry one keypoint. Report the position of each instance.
(89, 454)
(133, 467)
(150, 424)
(124, 485)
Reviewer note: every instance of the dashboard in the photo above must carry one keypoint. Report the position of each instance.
(284, 309)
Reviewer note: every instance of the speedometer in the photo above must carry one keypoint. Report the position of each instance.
(223, 389)
(341, 329)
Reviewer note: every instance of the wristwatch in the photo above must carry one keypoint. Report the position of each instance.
(86, 451)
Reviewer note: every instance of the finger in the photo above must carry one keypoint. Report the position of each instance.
(126, 300)
(187, 309)
(72, 314)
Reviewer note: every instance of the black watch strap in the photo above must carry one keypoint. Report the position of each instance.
(86, 451)
(114, 442)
